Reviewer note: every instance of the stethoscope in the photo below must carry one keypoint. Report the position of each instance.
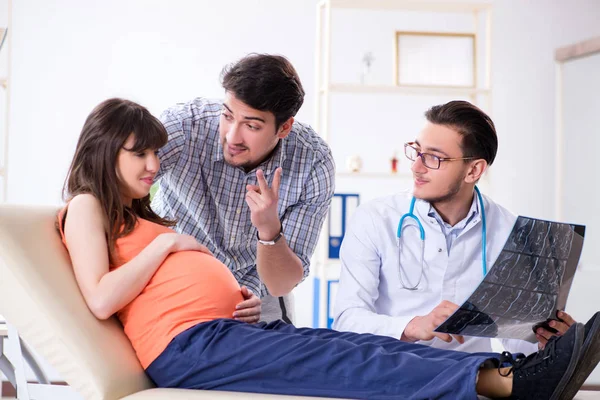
(412, 215)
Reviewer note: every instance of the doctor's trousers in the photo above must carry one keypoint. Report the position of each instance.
(279, 358)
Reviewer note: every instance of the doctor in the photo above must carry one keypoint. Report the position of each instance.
(405, 287)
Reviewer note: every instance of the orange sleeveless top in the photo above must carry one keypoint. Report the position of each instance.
(188, 288)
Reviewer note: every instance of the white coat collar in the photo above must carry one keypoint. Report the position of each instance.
(422, 208)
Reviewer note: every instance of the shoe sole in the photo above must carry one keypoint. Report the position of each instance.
(589, 359)
(573, 363)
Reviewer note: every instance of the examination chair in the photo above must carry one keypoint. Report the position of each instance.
(40, 300)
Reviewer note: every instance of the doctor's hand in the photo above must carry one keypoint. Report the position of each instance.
(421, 328)
(543, 335)
(262, 201)
(249, 309)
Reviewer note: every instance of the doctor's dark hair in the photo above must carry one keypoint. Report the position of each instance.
(266, 83)
(93, 169)
(477, 129)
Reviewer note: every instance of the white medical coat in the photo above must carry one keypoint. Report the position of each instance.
(370, 297)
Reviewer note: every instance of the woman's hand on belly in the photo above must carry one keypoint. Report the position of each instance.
(180, 242)
(249, 309)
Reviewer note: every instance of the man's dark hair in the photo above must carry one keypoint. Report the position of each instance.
(478, 132)
(267, 83)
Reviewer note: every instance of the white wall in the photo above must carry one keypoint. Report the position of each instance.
(581, 140)
(68, 55)
(3, 92)
(526, 33)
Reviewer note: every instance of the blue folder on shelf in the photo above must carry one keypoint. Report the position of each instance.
(342, 207)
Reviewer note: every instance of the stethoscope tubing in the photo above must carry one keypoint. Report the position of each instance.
(411, 215)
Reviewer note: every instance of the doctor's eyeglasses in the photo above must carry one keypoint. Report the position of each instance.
(429, 160)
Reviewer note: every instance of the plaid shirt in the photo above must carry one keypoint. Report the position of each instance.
(207, 196)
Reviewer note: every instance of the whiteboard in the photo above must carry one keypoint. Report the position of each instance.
(581, 151)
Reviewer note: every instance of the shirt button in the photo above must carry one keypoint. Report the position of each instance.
(235, 258)
(238, 211)
(233, 238)
(440, 250)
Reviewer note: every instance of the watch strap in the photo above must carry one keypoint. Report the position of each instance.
(272, 241)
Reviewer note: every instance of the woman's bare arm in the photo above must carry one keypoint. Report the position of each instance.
(104, 291)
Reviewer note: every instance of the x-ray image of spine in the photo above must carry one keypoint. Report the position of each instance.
(528, 282)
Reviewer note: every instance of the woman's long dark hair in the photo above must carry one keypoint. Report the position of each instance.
(93, 170)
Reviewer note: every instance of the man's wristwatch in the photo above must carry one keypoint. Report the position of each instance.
(270, 242)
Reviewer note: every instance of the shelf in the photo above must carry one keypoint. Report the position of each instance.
(331, 89)
(410, 5)
(374, 175)
(423, 90)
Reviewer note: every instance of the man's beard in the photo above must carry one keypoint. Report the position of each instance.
(449, 195)
(228, 158)
(246, 166)
(250, 164)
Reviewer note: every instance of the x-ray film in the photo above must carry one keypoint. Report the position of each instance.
(529, 281)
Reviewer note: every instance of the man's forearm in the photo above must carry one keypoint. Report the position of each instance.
(279, 268)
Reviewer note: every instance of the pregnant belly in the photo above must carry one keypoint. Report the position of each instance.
(189, 286)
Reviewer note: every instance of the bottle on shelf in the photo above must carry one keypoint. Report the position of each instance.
(394, 163)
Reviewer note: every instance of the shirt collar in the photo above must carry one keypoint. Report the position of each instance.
(217, 154)
(273, 162)
(432, 212)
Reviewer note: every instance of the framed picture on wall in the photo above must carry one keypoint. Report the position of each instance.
(435, 59)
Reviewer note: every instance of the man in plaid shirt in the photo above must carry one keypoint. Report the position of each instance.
(248, 181)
